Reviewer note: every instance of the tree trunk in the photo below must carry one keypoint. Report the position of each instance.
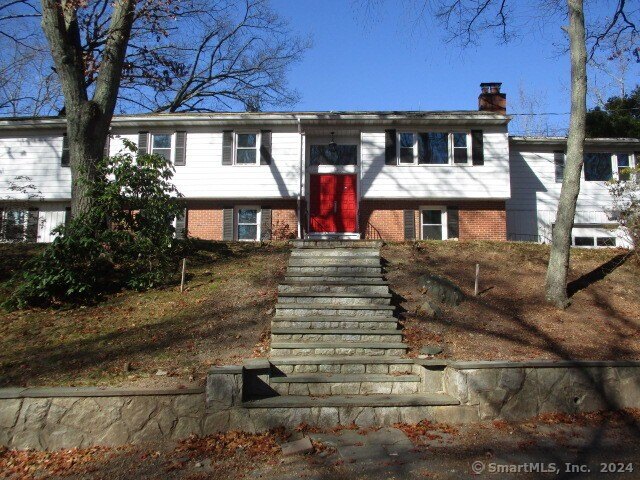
(556, 283)
(87, 129)
(88, 120)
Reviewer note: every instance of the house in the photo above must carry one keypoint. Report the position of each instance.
(379, 175)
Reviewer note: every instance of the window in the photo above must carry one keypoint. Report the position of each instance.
(434, 148)
(14, 225)
(597, 167)
(432, 221)
(248, 224)
(407, 148)
(161, 144)
(338, 155)
(558, 162)
(606, 241)
(623, 166)
(583, 241)
(460, 148)
(247, 149)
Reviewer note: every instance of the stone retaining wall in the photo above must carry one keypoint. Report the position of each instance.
(56, 418)
(521, 390)
(80, 417)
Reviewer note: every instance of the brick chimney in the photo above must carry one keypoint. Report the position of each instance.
(491, 100)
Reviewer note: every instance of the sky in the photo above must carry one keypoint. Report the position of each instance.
(379, 55)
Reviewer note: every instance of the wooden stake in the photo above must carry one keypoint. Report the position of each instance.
(184, 266)
(477, 279)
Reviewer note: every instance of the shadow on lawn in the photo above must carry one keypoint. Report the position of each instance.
(596, 274)
(527, 334)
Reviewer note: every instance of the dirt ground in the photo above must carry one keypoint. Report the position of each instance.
(157, 338)
(590, 446)
(509, 320)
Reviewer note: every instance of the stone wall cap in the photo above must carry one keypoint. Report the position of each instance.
(256, 364)
(470, 365)
(47, 392)
(225, 369)
(432, 362)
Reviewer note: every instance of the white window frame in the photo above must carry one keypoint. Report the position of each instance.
(443, 220)
(450, 147)
(236, 222)
(616, 167)
(257, 147)
(173, 143)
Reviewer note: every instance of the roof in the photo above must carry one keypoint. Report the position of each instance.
(562, 141)
(458, 117)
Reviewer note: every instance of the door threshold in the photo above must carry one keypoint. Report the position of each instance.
(333, 236)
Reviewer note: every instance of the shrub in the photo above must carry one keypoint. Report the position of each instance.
(626, 204)
(126, 240)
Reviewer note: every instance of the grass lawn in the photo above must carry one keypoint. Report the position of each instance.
(223, 317)
(509, 319)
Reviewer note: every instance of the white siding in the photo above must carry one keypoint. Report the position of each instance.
(36, 157)
(489, 181)
(204, 176)
(531, 210)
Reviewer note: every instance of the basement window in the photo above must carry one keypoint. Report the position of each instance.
(432, 221)
(248, 221)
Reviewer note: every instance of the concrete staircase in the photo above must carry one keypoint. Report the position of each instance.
(334, 339)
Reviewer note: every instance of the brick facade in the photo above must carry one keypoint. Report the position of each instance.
(384, 219)
(204, 219)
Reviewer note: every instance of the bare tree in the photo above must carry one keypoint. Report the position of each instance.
(154, 55)
(466, 20)
(88, 117)
(558, 268)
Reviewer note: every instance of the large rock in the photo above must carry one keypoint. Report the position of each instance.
(440, 289)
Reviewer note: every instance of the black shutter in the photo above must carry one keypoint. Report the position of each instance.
(390, 155)
(227, 146)
(227, 224)
(558, 162)
(477, 147)
(409, 225)
(64, 156)
(637, 165)
(143, 142)
(265, 223)
(2, 224)
(265, 147)
(32, 225)
(181, 149)
(67, 216)
(453, 222)
(181, 225)
(107, 144)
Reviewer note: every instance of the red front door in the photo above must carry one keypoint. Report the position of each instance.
(334, 204)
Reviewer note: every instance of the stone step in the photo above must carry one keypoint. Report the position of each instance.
(334, 335)
(361, 278)
(334, 262)
(323, 309)
(337, 299)
(341, 364)
(338, 348)
(344, 384)
(294, 401)
(337, 244)
(335, 252)
(334, 270)
(331, 287)
(327, 322)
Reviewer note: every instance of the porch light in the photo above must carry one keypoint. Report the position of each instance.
(333, 146)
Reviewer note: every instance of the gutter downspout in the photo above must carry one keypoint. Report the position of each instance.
(299, 199)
